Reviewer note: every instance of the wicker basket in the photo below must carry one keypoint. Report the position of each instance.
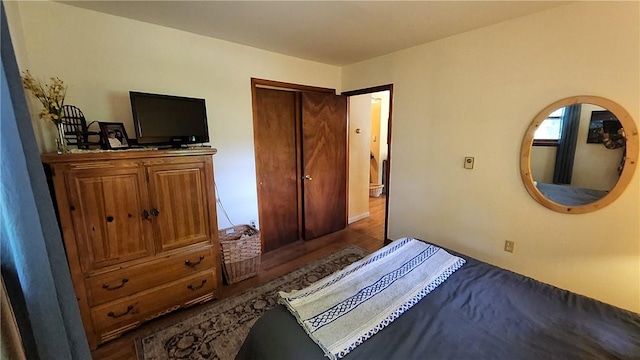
(375, 190)
(241, 252)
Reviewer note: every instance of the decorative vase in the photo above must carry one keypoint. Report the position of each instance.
(61, 142)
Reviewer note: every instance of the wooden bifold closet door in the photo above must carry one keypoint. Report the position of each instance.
(300, 142)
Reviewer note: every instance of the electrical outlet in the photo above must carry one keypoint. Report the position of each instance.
(253, 223)
(508, 246)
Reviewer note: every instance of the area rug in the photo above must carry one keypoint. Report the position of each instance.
(217, 332)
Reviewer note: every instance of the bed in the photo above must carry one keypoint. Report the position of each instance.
(570, 195)
(479, 312)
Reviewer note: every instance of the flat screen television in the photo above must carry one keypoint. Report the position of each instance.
(162, 120)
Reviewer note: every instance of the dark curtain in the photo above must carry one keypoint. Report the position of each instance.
(34, 265)
(567, 146)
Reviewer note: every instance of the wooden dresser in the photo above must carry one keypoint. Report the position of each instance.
(140, 233)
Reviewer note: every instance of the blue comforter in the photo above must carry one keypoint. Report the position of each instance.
(480, 312)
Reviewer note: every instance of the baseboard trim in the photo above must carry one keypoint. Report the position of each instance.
(359, 217)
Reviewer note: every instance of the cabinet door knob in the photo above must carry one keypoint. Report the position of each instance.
(155, 212)
(145, 215)
(307, 177)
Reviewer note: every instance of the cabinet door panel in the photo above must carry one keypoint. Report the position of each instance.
(179, 205)
(107, 206)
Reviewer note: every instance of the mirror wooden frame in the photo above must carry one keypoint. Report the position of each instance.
(631, 161)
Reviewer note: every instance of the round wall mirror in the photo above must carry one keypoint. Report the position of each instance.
(579, 154)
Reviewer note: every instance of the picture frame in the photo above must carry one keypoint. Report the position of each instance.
(602, 121)
(113, 135)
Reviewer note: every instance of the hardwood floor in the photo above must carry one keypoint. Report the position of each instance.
(374, 224)
(366, 233)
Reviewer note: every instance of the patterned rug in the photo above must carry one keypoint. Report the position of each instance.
(217, 332)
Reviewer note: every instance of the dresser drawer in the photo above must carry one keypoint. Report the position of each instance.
(124, 282)
(149, 304)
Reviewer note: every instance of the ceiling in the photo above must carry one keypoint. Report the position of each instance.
(331, 32)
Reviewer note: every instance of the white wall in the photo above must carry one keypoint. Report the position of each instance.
(359, 118)
(475, 94)
(543, 160)
(102, 57)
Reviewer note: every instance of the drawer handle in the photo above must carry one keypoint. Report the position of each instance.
(194, 288)
(189, 263)
(106, 286)
(113, 315)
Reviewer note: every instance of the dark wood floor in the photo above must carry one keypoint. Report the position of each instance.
(366, 233)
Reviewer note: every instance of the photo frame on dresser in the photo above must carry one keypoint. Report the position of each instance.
(113, 135)
(602, 122)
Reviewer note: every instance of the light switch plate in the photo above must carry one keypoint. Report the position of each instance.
(468, 162)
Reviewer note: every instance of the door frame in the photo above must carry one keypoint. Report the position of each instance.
(279, 85)
(387, 170)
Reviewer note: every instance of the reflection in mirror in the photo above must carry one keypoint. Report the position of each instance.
(580, 169)
(575, 153)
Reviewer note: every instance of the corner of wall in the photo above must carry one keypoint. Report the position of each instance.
(14, 22)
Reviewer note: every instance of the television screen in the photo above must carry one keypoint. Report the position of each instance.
(168, 120)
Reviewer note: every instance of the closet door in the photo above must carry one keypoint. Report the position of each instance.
(324, 163)
(275, 130)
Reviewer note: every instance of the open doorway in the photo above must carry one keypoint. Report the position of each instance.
(369, 159)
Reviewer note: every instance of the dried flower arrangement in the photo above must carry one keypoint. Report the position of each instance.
(50, 95)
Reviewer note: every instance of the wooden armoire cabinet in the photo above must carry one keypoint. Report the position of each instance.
(140, 232)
